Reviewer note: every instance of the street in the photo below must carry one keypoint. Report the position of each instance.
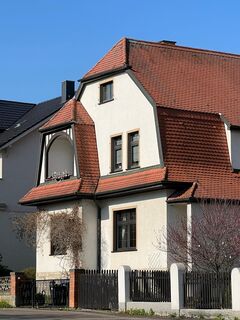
(36, 314)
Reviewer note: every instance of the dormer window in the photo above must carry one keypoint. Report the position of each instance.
(59, 159)
(106, 92)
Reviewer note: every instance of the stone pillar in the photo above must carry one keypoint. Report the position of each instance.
(15, 279)
(74, 287)
(123, 287)
(177, 271)
(235, 287)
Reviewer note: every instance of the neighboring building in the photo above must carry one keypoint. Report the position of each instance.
(154, 127)
(19, 156)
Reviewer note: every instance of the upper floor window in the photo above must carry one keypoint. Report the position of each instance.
(60, 159)
(106, 92)
(116, 153)
(125, 230)
(133, 150)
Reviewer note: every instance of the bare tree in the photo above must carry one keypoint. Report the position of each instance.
(63, 230)
(210, 243)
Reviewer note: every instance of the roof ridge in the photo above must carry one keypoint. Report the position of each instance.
(183, 48)
(18, 102)
(191, 111)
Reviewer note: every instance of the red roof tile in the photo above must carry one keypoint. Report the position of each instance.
(195, 150)
(53, 190)
(180, 77)
(114, 59)
(87, 155)
(134, 179)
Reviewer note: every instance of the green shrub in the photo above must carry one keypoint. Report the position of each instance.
(30, 273)
(140, 312)
(5, 304)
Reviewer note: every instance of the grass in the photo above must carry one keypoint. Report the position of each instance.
(140, 312)
(5, 304)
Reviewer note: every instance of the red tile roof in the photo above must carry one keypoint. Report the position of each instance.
(114, 59)
(134, 179)
(53, 190)
(195, 150)
(87, 155)
(180, 77)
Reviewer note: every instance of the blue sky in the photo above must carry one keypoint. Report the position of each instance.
(47, 41)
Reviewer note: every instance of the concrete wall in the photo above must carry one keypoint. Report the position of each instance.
(20, 164)
(150, 220)
(130, 110)
(57, 266)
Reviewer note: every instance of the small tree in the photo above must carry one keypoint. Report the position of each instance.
(63, 230)
(210, 243)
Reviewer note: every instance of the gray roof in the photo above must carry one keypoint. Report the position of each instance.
(11, 111)
(30, 119)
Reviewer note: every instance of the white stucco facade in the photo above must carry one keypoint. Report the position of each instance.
(57, 266)
(151, 218)
(129, 111)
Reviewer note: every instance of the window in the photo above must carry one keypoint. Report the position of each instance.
(133, 150)
(117, 153)
(60, 159)
(106, 92)
(125, 230)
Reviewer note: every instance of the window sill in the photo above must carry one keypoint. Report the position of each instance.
(123, 250)
(133, 168)
(103, 102)
(57, 255)
(116, 171)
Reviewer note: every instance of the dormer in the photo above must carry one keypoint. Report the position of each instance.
(233, 141)
(69, 159)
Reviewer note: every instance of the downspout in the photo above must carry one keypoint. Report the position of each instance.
(98, 234)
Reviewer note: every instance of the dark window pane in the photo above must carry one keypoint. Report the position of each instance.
(117, 153)
(126, 229)
(106, 91)
(133, 150)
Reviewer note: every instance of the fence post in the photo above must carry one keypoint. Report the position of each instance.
(123, 287)
(177, 293)
(74, 287)
(235, 287)
(15, 279)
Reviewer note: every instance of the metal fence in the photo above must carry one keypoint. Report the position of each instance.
(43, 293)
(52, 292)
(204, 290)
(98, 289)
(150, 286)
(5, 285)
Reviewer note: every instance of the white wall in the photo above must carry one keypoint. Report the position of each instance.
(150, 220)
(49, 266)
(130, 110)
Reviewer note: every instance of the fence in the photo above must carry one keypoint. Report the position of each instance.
(98, 289)
(207, 290)
(152, 286)
(5, 285)
(52, 292)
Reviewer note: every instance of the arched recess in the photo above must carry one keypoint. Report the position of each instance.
(59, 157)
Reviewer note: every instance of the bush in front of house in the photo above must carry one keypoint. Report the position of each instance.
(5, 304)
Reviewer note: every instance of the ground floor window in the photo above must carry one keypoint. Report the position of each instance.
(125, 230)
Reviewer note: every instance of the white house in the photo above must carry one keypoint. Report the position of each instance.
(152, 128)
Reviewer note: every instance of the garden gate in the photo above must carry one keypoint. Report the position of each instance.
(98, 289)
